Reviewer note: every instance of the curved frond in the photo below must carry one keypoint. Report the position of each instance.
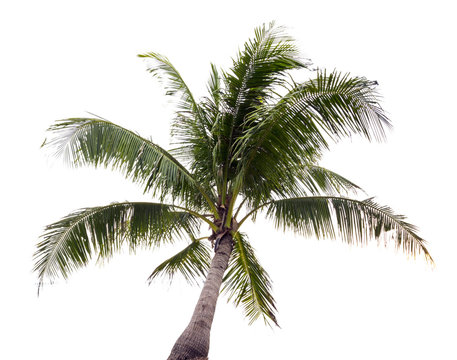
(351, 220)
(319, 180)
(256, 72)
(192, 262)
(298, 127)
(174, 84)
(259, 67)
(84, 141)
(343, 105)
(248, 284)
(332, 105)
(72, 241)
(191, 127)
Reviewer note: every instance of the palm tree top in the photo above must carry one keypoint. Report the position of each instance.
(251, 146)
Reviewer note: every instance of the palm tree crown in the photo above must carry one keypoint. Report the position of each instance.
(250, 147)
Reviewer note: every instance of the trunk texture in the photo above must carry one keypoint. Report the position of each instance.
(193, 344)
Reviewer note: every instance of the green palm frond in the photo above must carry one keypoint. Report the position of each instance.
(318, 180)
(259, 68)
(71, 242)
(174, 84)
(248, 284)
(351, 220)
(298, 127)
(192, 262)
(203, 156)
(337, 105)
(98, 142)
(214, 87)
(253, 142)
(190, 126)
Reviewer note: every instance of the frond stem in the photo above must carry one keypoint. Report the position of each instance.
(196, 214)
(252, 212)
(239, 208)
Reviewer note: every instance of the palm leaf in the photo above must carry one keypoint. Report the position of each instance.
(192, 262)
(248, 284)
(190, 127)
(71, 242)
(99, 142)
(334, 105)
(319, 180)
(351, 220)
(174, 84)
(298, 127)
(259, 68)
(343, 105)
(214, 87)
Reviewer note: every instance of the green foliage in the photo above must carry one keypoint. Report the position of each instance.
(72, 241)
(318, 180)
(295, 130)
(192, 262)
(351, 220)
(248, 284)
(255, 140)
(191, 122)
(98, 142)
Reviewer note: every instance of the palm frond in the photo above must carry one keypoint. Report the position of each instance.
(259, 68)
(214, 87)
(248, 284)
(354, 221)
(191, 128)
(174, 84)
(299, 126)
(339, 105)
(192, 262)
(71, 242)
(98, 142)
(318, 180)
(296, 181)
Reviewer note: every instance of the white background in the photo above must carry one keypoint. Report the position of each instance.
(63, 58)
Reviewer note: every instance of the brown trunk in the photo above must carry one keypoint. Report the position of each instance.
(193, 344)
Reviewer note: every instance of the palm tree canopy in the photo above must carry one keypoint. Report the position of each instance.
(253, 143)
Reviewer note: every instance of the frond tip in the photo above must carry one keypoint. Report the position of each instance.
(354, 221)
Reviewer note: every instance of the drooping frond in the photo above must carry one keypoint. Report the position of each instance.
(299, 181)
(248, 284)
(354, 221)
(318, 180)
(297, 128)
(72, 241)
(191, 126)
(336, 105)
(192, 262)
(343, 105)
(99, 142)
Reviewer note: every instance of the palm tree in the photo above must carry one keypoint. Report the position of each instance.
(251, 147)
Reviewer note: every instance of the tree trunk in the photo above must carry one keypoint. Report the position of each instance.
(193, 344)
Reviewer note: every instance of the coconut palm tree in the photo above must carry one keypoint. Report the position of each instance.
(251, 147)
